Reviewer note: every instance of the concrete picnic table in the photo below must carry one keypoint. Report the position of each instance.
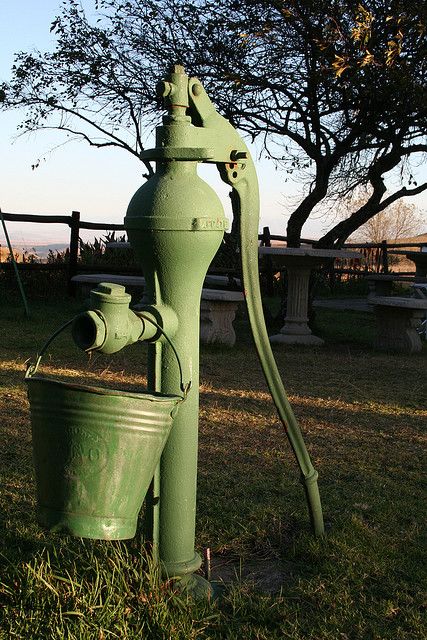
(381, 284)
(299, 263)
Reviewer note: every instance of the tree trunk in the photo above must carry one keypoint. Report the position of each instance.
(301, 214)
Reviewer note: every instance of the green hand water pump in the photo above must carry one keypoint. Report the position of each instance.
(175, 223)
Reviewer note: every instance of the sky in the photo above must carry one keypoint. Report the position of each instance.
(73, 176)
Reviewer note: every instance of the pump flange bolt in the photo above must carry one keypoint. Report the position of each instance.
(111, 289)
(164, 89)
(238, 155)
(196, 89)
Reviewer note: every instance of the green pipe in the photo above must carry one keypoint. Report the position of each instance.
(250, 272)
(152, 501)
(12, 257)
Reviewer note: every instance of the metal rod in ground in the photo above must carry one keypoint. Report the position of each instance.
(12, 257)
(207, 563)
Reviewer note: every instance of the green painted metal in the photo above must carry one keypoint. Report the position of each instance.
(250, 270)
(175, 263)
(95, 452)
(239, 172)
(152, 502)
(175, 223)
(109, 325)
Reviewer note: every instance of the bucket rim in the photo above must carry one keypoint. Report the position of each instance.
(155, 396)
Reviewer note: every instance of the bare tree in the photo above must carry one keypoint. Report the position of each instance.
(334, 90)
(399, 220)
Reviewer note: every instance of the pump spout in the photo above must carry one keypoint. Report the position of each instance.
(109, 324)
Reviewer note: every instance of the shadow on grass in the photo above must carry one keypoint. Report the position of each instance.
(363, 417)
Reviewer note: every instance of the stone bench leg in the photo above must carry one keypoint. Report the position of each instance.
(379, 288)
(396, 329)
(216, 322)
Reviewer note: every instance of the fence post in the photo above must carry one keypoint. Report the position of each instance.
(268, 263)
(74, 249)
(12, 257)
(384, 256)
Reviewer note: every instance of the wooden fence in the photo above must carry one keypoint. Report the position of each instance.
(75, 223)
(375, 257)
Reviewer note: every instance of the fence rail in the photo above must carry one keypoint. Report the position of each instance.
(375, 255)
(61, 219)
(75, 223)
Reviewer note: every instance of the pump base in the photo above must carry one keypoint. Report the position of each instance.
(195, 587)
(181, 569)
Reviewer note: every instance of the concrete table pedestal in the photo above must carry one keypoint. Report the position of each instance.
(296, 329)
(299, 264)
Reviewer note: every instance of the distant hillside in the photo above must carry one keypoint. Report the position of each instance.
(420, 238)
(41, 250)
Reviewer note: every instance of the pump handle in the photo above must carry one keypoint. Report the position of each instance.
(236, 168)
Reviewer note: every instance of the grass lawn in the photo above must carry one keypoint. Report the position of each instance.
(363, 415)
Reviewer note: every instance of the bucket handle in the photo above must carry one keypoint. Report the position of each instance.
(185, 388)
(32, 367)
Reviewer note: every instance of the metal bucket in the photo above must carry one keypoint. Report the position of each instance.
(95, 451)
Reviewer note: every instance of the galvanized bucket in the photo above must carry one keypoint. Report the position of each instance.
(95, 451)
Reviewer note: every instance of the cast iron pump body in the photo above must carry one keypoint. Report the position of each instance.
(175, 223)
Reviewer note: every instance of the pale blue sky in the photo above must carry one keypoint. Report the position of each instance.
(99, 183)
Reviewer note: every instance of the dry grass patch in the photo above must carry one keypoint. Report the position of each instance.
(363, 415)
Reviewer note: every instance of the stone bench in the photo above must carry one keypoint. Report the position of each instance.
(381, 284)
(86, 281)
(217, 311)
(397, 319)
(420, 290)
(227, 283)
